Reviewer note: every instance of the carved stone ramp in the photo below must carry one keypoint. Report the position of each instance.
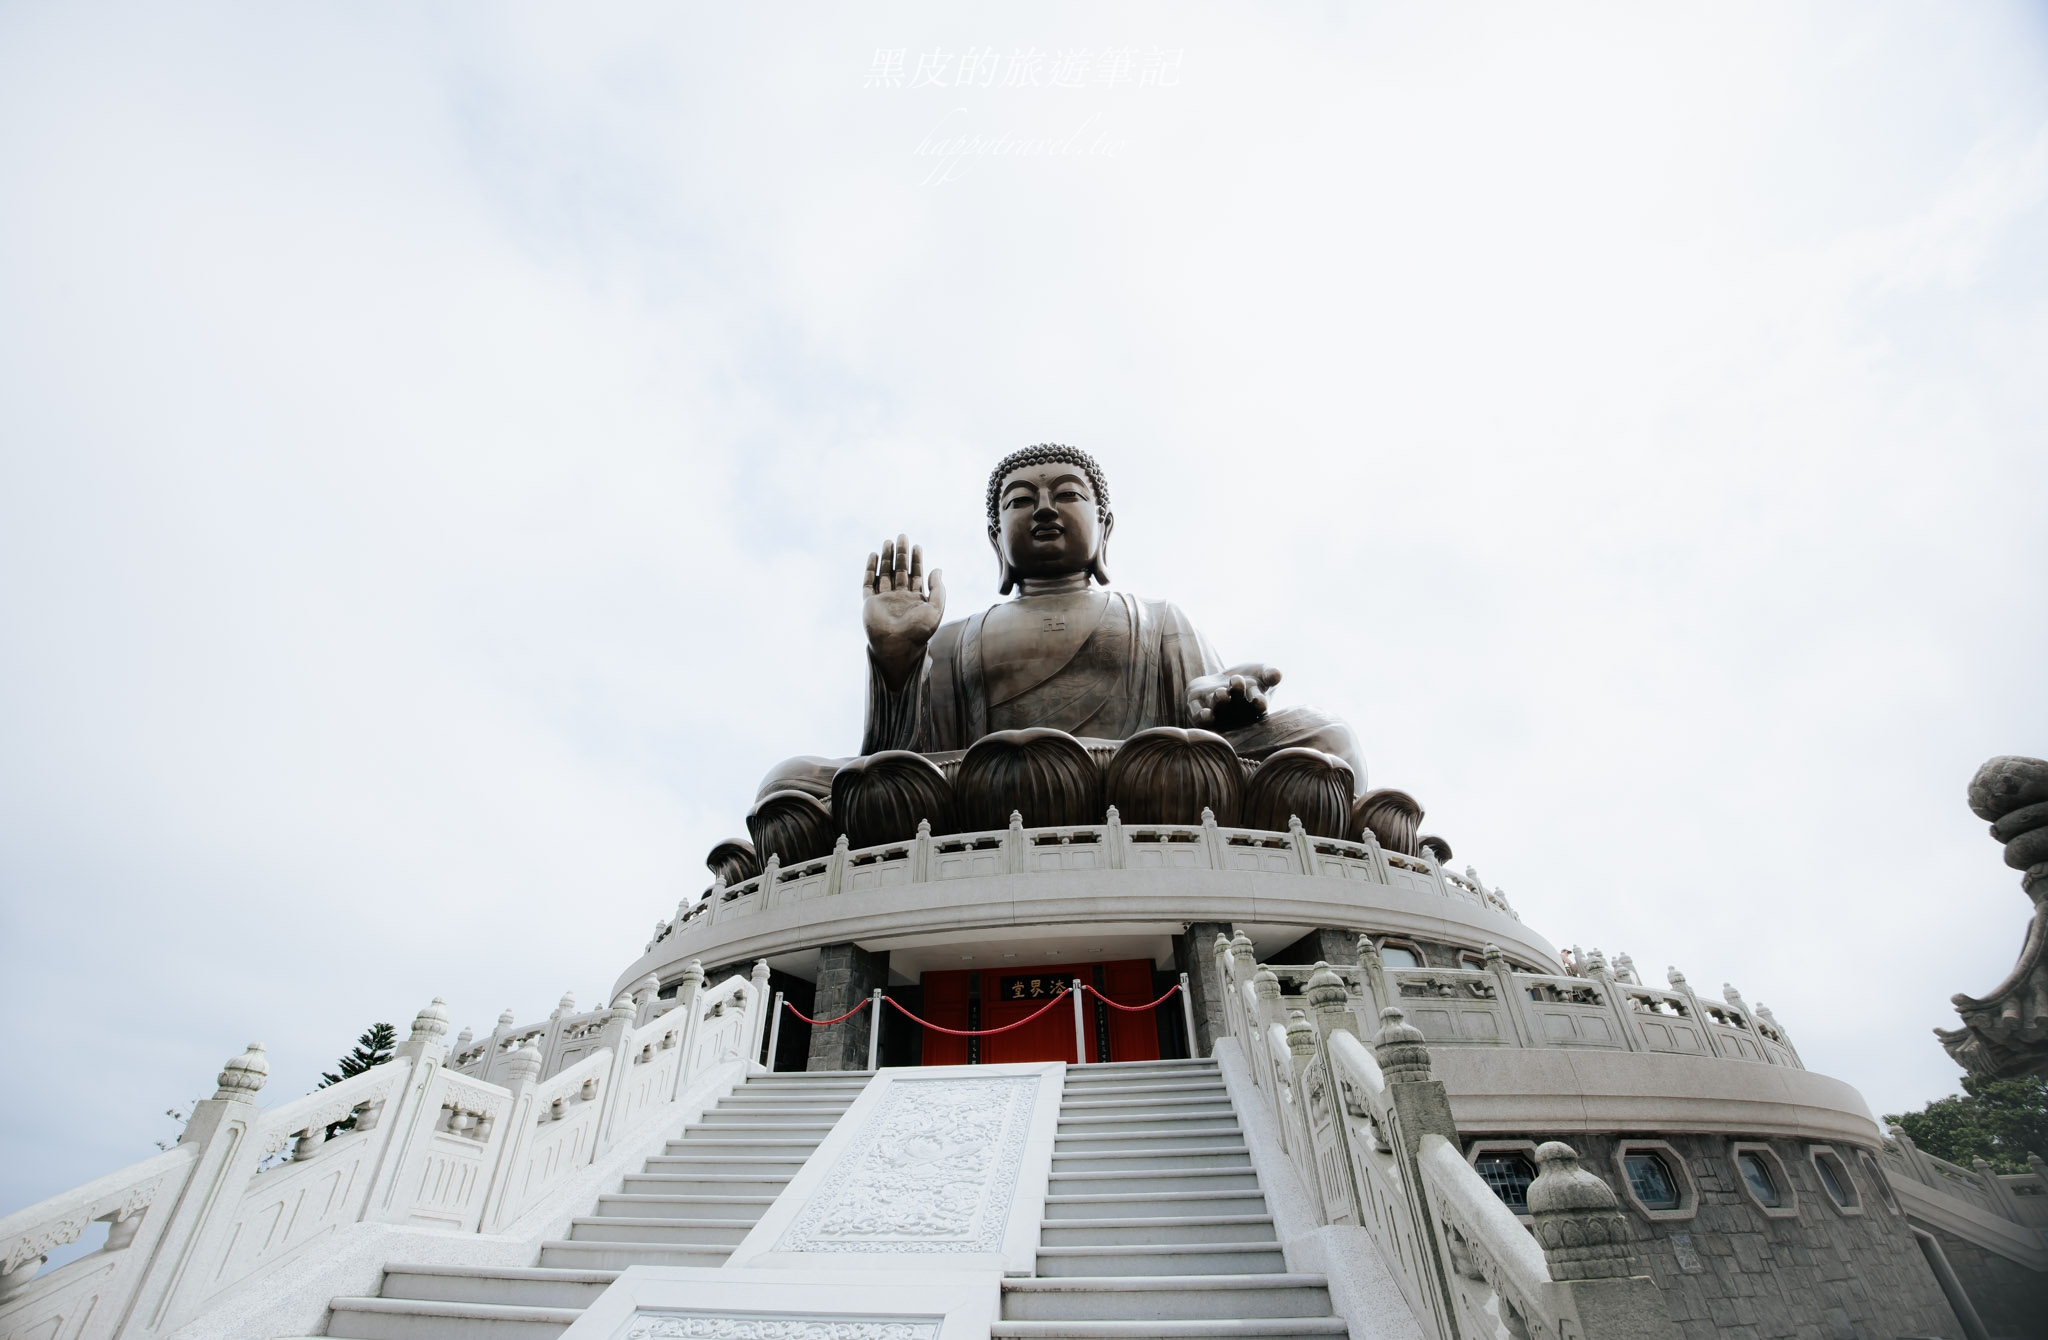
(689, 1206)
(1154, 1221)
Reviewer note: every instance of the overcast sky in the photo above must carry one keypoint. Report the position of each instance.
(438, 448)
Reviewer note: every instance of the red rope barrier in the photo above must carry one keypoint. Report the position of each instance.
(974, 1032)
(819, 1023)
(1131, 1009)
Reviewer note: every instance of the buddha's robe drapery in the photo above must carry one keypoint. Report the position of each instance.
(1130, 674)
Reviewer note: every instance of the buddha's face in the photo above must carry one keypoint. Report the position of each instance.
(1046, 522)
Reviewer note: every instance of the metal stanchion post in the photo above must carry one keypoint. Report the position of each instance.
(1187, 1010)
(874, 1027)
(1080, 1037)
(774, 1032)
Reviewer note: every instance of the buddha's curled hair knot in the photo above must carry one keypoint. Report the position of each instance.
(1046, 453)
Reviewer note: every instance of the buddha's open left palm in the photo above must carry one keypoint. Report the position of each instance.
(1237, 697)
(898, 611)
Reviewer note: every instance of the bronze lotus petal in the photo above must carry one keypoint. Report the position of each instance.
(1044, 774)
(792, 826)
(1167, 775)
(881, 798)
(1304, 783)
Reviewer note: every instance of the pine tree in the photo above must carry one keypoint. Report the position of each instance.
(372, 1048)
(1998, 1120)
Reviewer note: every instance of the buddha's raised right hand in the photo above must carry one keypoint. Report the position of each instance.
(900, 615)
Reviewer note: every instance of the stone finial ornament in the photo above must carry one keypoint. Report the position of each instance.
(431, 1022)
(1241, 950)
(523, 1066)
(693, 974)
(464, 1038)
(505, 1018)
(1266, 983)
(244, 1076)
(1326, 990)
(1402, 1050)
(566, 1005)
(1301, 1034)
(623, 1007)
(1579, 1223)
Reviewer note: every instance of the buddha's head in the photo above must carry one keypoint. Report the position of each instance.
(1048, 515)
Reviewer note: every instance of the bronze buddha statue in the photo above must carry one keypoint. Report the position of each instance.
(1065, 656)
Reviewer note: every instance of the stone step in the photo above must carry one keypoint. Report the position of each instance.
(413, 1319)
(619, 1255)
(1139, 1084)
(1173, 1258)
(1149, 1175)
(683, 1182)
(1178, 1065)
(781, 1163)
(658, 1206)
(1268, 1328)
(1172, 1298)
(1208, 1115)
(777, 1105)
(1120, 1204)
(686, 1232)
(520, 1286)
(1135, 1102)
(1157, 1230)
(1146, 1140)
(723, 1115)
(740, 1144)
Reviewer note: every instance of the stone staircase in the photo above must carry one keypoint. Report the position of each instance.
(689, 1206)
(1154, 1222)
(1155, 1225)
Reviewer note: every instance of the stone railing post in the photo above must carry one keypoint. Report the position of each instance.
(617, 1028)
(1590, 1252)
(1304, 849)
(757, 1021)
(1999, 1189)
(835, 867)
(646, 996)
(1212, 840)
(1373, 969)
(764, 887)
(171, 1284)
(1113, 839)
(921, 853)
(1016, 851)
(1295, 1135)
(686, 1005)
(411, 1114)
(1419, 1106)
(1330, 1001)
(514, 1133)
(1375, 857)
(1617, 1002)
(1763, 1012)
(1514, 998)
(1677, 981)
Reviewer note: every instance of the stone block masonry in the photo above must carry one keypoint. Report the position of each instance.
(1731, 1269)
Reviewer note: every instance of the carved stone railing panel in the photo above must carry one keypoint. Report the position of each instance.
(1454, 1005)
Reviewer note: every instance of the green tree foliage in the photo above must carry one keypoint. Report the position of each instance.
(1998, 1120)
(372, 1048)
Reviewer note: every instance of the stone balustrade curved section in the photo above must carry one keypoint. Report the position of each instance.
(1083, 874)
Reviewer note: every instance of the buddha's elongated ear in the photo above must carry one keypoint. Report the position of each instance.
(1006, 580)
(1098, 567)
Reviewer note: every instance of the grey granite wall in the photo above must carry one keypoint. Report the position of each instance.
(1732, 1270)
(846, 974)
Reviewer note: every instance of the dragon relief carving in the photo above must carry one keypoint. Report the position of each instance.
(933, 1169)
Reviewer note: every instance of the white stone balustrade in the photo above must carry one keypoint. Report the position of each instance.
(247, 1189)
(1053, 876)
